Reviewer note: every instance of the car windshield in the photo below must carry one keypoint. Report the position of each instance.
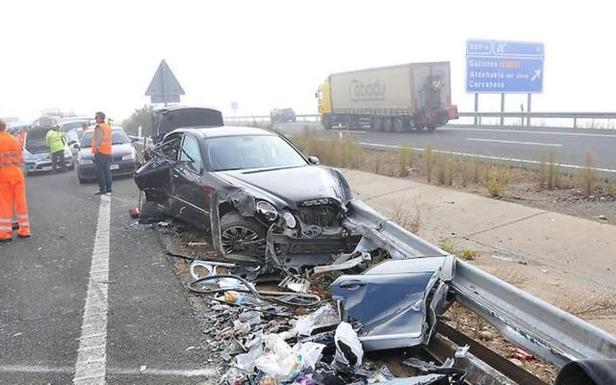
(66, 127)
(117, 137)
(251, 151)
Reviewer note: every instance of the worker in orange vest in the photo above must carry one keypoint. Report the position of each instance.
(101, 148)
(12, 187)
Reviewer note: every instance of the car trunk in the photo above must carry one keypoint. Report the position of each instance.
(36, 143)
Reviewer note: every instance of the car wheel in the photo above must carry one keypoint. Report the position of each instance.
(82, 181)
(242, 235)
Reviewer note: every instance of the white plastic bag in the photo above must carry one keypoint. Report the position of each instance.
(246, 361)
(324, 316)
(279, 360)
(348, 347)
(310, 353)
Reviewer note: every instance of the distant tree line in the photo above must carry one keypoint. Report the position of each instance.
(140, 117)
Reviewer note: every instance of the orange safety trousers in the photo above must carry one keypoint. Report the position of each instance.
(12, 188)
(13, 200)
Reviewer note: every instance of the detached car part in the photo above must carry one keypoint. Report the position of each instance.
(396, 302)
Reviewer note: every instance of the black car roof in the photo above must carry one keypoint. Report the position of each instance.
(212, 132)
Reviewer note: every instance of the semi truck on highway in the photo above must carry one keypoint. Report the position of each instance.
(396, 98)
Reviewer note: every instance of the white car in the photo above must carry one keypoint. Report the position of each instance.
(37, 157)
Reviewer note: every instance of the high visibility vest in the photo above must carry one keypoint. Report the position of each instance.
(11, 158)
(104, 130)
(54, 141)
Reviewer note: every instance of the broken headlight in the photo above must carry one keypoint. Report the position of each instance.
(289, 220)
(268, 210)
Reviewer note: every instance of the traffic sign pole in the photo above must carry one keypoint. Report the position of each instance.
(502, 119)
(476, 109)
(528, 106)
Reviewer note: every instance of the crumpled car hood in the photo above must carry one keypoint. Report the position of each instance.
(289, 186)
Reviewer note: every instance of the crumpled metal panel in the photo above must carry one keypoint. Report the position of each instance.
(380, 232)
(394, 302)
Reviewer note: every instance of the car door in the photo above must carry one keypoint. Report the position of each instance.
(155, 176)
(187, 185)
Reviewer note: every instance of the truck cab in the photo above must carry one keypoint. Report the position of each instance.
(324, 101)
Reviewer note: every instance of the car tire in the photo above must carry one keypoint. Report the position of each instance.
(236, 228)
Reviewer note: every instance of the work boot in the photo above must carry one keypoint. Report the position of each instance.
(23, 235)
(99, 193)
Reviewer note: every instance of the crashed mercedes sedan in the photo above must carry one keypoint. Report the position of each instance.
(254, 191)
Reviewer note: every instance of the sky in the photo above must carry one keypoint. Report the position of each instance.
(85, 56)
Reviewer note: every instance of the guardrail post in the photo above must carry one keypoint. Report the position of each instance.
(574, 122)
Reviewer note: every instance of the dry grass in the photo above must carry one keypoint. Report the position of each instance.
(549, 171)
(343, 151)
(428, 156)
(496, 180)
(446, 244)
(587, 178)
(610, 188)
(589, 307)
(468, 254)
(407, 220)
(444, 169)
(405, 159)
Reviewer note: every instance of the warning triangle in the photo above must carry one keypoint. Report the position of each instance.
(164, 84)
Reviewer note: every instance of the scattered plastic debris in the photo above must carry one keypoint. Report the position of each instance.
(295, 283)
(324, 316)
(348, 347)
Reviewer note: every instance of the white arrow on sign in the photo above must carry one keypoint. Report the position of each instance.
(536, 75)
(500, 48)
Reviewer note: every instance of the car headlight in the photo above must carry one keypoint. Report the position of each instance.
(267, 210)
(290, 220)
(83, 162)
(130, 156)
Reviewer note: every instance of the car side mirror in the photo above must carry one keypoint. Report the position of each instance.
(71, 143)
(74, 145)
(314, 160)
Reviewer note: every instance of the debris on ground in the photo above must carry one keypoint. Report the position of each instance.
(264, 326)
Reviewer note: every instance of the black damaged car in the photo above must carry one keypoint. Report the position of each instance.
(254, 191)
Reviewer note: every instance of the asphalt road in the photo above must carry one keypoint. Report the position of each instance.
(150, 330)
(525, 146)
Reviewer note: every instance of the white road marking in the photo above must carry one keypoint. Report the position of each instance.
(504, 159)
(450, 128)
(92, 353)
(514, 142)
(207, 372)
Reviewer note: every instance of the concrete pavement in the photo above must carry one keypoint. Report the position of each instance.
(151, 334)
(554, 256)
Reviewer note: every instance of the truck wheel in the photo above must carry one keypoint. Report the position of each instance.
(377, 124)
(327, 122)
(431, 128)
(400, 124)
(387, 124)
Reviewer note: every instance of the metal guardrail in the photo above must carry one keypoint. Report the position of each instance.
(575, 117)
(545, 330)
(539, 327)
